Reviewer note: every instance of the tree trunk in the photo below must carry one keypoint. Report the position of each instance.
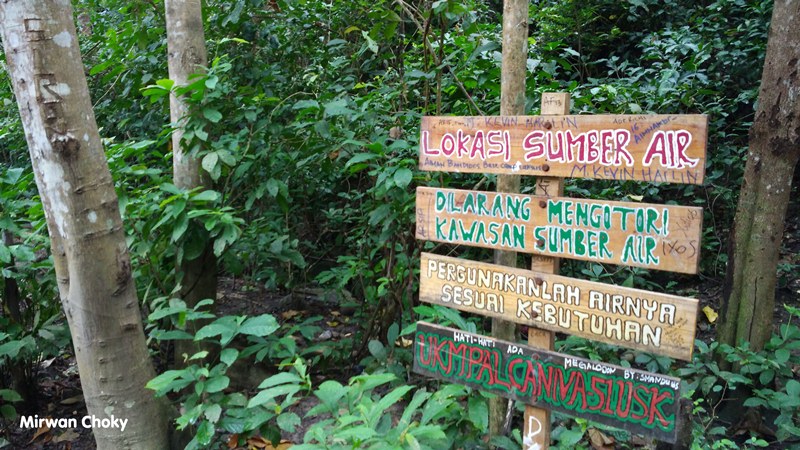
(749, 292)
(186, 47)
(88, 244)
(512, 103)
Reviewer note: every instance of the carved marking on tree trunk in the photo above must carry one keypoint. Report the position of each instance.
(47, 93)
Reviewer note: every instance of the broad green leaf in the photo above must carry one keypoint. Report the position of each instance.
(392, 397)
(288, 421)
(428, 432)
(210, 161)
(228, 356)
(7, 412)
(262, 325)
(13, 175)
(199, 355)
(371, 381)
(305, 104)
(205, 432)
(329, 392)
(402, 177)
(165, 83)
(793, 388)
(165, 380)
(478, 412)
(180, 228)
(225, 327)
(280, 378)
(213, 412)
(171, 335)
(337, 108)
(11, 349)
(360, 433)
(377, 349)
(359, 158)
(371, 44)
(212, 115)
(217, 384)
(782, 355)
(269, 394)
(206, 196)
(10, 395)
(419, 397)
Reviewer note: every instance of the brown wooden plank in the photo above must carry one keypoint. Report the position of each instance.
(633, 234)
(638, 401)
(653, 148)
(658, 323)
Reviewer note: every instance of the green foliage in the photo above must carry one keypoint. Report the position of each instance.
(354, 416)
(306, 121)
(765, 377)
(206, 402)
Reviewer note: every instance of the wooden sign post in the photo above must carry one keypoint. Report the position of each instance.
(635, 400)
(549, 226)
(649, 148)
(536, 423)
(656, 323)
(633, 234)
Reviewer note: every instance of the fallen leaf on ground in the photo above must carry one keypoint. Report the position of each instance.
(42, 430)
(289, 314)
(69, 435)
(599, 440)
(72, 400)
(711, 315)
(233, 441)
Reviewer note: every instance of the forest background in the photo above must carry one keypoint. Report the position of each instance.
(306, 122)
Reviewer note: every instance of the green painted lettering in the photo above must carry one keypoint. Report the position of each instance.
(623, 220)
(555, 209)
(581, 214)
(497, 207)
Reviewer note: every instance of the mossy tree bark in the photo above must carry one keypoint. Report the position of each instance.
(749, 292)
(90, 254)
(187, 56)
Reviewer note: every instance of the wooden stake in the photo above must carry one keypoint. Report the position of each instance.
(536, 434)
(512, 102)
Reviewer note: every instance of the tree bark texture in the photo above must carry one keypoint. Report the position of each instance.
(88, 244)
(186, 47)
(749, 292)
(512, 102)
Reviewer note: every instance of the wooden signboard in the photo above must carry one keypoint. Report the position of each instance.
(657, 323)
(632, 234)
(653, 148)
(640, 402)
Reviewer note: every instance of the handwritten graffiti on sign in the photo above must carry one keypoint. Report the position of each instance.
(648, 321)
(638, 401)
(655, 148)
(633, 234)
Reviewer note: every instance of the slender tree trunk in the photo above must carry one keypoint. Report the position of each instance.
(186, 47)
(88, 244)
(512, 103)
(749, 293)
